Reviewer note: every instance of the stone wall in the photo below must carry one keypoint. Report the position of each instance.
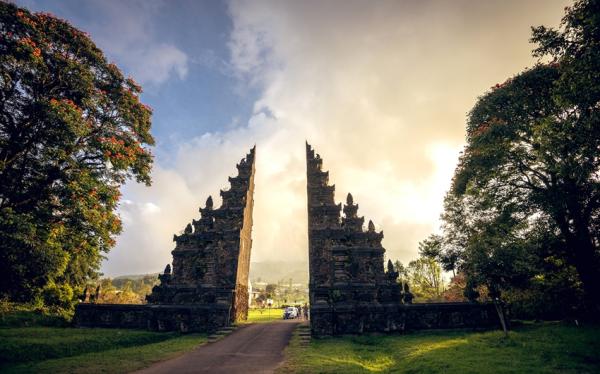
(129, 316)
(183, 318)
(347, 318)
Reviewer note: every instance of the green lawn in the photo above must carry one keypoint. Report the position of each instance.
(72, 350)
(264, 315)
(533, 348)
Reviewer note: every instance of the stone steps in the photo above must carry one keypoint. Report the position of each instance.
(221, 333)
(303, 332)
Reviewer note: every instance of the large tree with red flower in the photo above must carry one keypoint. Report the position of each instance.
(72, 131)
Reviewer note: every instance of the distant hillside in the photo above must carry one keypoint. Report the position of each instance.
(268, 271)
(135, 276)
(275, 271)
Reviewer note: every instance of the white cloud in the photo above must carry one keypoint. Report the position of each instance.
(159, 63)
(127, 31)
(380, 89)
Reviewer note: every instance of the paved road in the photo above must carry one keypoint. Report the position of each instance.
(255, 348)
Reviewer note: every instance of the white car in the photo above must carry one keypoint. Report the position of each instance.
(290, 313)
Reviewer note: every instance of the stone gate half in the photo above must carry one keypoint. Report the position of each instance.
(207, 287)
(211, 259)
(350, 292)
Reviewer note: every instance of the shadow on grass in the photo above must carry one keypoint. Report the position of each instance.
(121, 360)
(29, 344)
(541, 348)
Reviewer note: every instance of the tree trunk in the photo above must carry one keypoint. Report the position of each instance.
(581, 252)
(582, 255)
(574, 225)
(586, 262)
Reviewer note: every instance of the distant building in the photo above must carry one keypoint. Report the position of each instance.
(249, 292)
(253, 293)
(260, 285)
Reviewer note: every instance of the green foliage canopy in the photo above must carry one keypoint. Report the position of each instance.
(528, 181)
(434, 248)
(72, 131)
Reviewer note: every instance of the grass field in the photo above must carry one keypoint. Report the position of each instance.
(72, 350)
(532, 348)
(264, 315)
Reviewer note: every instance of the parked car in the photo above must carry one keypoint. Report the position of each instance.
(290, 313)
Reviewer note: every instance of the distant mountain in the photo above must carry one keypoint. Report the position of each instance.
(135, 276)
(279, 271)
(267, 271)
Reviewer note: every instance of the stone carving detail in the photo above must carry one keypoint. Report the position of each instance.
(211, 259)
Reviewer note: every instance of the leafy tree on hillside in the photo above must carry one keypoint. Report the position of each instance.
(72, 131)
(528, 181)
(425, 279)
(125, 294)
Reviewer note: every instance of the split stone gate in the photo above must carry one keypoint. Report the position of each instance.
(350, 291)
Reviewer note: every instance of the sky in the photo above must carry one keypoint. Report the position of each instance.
(381, 89)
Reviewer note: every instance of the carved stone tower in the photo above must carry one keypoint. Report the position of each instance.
(349, 288)
(323, 217)
(211, 259)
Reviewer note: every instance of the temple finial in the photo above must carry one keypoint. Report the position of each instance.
(349, 199)
(188, 228)
(209, 203)
(371, 226)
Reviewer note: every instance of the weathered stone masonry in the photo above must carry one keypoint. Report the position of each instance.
(349, 290)
(208, 285)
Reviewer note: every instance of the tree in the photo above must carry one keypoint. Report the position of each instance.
(111, 294)
(431, 247)
(72, 131)
(270, 290)
(504, 253)
(402, 271)
(261, 299)
(425, 278)
(435, 247)
(455, 292)
(532, 158)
